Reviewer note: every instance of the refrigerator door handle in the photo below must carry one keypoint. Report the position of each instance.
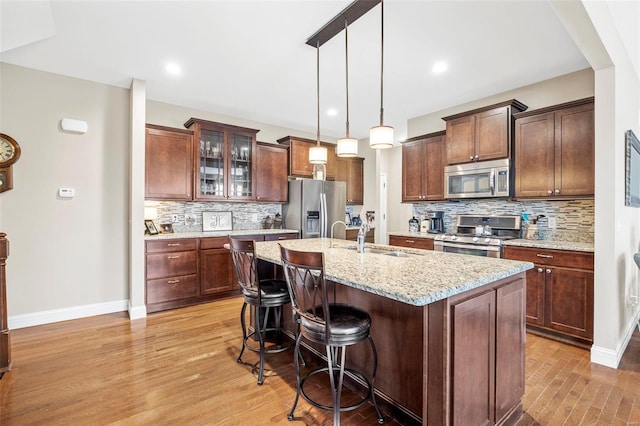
(323, 214)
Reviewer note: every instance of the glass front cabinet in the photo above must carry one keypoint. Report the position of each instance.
(224, 161)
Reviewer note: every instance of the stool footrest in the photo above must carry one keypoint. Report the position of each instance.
(329, 407)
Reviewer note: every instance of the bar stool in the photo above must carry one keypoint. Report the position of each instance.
(325, 322)
(263, 296)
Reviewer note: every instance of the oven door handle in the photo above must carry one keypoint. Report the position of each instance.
(466, 246)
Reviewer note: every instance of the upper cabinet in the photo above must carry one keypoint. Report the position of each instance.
(423, 168)
(481, 134)
(299, 165)
(555, 151)
(351, 171)
(224, 166)
(271, 173)
(168, 163)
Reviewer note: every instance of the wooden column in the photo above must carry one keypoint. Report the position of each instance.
(5, 348)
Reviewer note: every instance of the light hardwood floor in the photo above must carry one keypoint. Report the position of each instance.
(179, 367)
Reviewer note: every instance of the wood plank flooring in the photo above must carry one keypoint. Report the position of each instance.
(179, 367)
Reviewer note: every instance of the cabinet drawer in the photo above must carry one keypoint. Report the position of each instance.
(564, 258)
(163, 246)
(278, 237)
(174, 288)
(213, 242)
(412, 242)
(171, 264)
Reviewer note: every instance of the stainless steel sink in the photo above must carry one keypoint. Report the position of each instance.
(397, 254)
(379, 251)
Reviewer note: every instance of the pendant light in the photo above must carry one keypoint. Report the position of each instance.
(347, 146)
(318, 154)
(381, 137)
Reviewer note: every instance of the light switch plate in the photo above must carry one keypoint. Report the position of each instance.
(552, 222)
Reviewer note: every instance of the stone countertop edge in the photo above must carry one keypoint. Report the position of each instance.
(203, 234)
(551, 244)
(419, 279)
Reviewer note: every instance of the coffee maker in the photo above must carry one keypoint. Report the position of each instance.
(437, 223)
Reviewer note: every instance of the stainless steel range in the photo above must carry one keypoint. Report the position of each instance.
(479, 235)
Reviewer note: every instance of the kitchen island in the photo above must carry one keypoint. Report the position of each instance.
(449, 328)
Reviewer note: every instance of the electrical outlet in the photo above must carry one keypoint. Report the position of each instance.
(552, 222)
(174, 218)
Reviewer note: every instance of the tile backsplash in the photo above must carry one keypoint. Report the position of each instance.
(243, 213)
(574, 219)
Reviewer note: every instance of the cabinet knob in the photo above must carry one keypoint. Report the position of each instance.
(549, 192)
(471, 157)
(548, 271)
(539, 269)
(476, 157)
(557, 191)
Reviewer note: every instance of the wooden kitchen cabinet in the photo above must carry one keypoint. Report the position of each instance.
(168, 163)
(423, 168)
(299, 156)
(171, 270)
(224, 166)
(216, 266)
(559, 292)
(555, 151)
(352, 235)
(351, 171)
(271, 173)
(411, 242)
(481, 134)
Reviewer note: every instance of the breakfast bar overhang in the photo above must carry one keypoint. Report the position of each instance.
(450, 329)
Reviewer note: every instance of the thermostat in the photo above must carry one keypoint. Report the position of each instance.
(66, 192)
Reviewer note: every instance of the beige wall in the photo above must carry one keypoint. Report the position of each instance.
(65, 252)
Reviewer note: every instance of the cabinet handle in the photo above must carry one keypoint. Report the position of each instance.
(173, 281)
(282, 238)
(173, 257)
(539, 269)
(557, 191)
(549, 192)
(471, 157)
(548, 271)
(476, 157)
(409, 241)
(173, 245)
(545, 256)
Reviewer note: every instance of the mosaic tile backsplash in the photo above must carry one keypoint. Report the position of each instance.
(574, 219)
(189, 215)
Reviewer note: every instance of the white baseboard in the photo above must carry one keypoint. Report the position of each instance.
(609, 357)
(74, 312)
(137, 312)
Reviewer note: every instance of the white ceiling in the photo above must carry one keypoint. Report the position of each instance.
(249, 58)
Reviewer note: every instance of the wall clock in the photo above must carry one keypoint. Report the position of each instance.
(9, 154)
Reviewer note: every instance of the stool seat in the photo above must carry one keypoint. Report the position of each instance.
(348, 325)
(272, 293)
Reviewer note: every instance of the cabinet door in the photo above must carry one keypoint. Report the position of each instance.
(535, 295)
(271, 173)
(492, 134)
(412, 158)
(510, 345)
(299, 159)
(460, 143)
(242, 147)
(411, 242)
(569, 301)
(574, 151)
(473, 327)
(210, 171)
(534, 156)
(355, 182)
(433, 169)
(216, 271)
(168, 162)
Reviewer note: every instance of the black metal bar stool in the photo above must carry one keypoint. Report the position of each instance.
(325, 322)
(263, 296)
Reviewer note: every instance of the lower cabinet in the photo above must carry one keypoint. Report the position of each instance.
(186, 271)
(352, 235)
(559, 293)
(411, 242)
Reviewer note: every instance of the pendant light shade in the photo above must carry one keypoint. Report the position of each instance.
(347, 146)
(318, 154)
(381, 137)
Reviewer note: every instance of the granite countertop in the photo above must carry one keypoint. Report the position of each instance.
(203, 234)
(551, 244)
(419, 278)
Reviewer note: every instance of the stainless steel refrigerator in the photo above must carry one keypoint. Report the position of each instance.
(314, 205)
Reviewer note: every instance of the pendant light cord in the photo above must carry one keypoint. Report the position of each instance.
(346, 61)
(381, 59)
(318, 90)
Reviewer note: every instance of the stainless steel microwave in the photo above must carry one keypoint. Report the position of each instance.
(484, 179)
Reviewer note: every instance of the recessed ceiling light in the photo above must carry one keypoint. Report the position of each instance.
(331, 112)
(172, 68)
(439, 67)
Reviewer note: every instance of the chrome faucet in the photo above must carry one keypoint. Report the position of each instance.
(337, 221)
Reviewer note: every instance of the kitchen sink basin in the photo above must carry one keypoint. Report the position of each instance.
(379, 251)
